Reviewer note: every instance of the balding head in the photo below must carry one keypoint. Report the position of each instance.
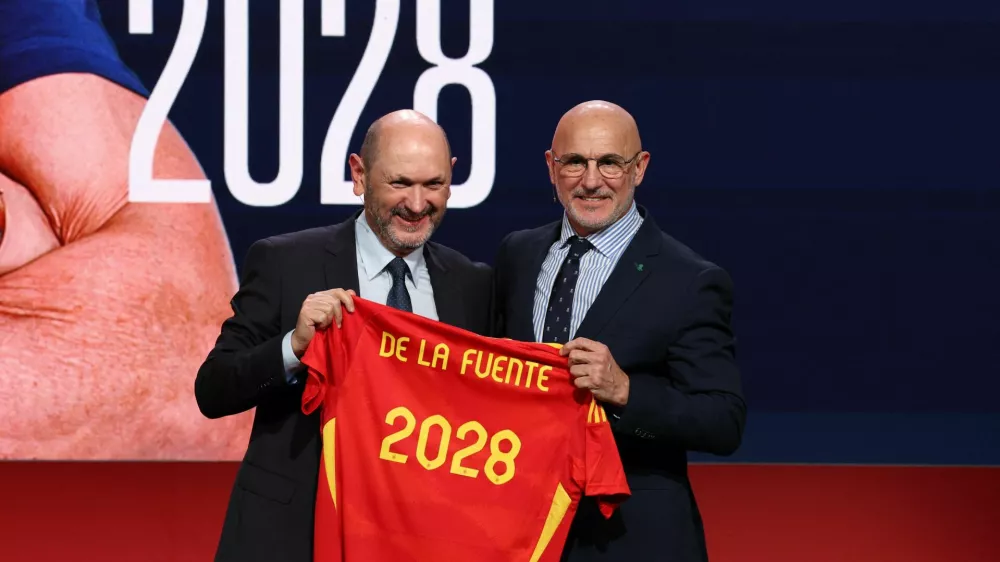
(598, 124)
(404, 174)
(402, 121)
(596, 162)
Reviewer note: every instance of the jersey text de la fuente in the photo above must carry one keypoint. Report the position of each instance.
(487, 366)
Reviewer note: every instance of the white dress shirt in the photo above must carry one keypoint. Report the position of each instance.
(595, 267)
(375, 282)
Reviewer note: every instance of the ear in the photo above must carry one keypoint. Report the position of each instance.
(447, 188)
(640, 167)
(357, 174)
(551, 163)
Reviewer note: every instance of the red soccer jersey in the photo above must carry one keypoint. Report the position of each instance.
(442, 445)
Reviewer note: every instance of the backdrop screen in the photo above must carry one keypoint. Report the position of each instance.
(838, 158)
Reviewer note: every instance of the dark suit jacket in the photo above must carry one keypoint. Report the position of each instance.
(665, 315)
(270, 513)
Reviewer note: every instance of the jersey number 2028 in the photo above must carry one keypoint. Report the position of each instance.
(436, 459)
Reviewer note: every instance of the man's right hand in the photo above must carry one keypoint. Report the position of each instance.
(318, 311)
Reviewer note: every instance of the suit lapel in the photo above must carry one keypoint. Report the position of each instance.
(341, 264)
(632, 269)
(522, 325)
(447, 290)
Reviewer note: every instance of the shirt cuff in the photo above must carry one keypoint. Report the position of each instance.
(292, 363)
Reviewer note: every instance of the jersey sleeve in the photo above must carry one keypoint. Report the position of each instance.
(319, 359)
(327, 358)
(604, 477)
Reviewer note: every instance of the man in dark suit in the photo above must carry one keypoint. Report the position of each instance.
(296, 283)
(646, 326)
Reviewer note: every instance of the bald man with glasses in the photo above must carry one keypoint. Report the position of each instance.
(645, 323)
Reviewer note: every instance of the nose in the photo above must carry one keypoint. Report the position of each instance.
(416, 199)
(592, 178)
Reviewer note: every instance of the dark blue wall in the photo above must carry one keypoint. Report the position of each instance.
(840, 158)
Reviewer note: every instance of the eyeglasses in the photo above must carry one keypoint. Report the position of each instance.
(611, 166)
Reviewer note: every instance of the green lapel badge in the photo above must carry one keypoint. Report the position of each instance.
(638, 267)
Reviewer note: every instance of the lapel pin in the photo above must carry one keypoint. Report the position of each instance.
(638, 267)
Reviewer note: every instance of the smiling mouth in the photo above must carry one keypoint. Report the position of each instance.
(592, 199)
(412, 221)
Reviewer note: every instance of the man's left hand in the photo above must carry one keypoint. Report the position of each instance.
(593, 368)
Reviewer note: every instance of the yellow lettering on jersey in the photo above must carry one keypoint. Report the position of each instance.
(489, 364)
(485, 365)
(499, 457)
(420, 356)
(531, 370)
(383, 350)
(396, 346)
(466, 360)
(542, 377)
(510, 367)
(393, 346)
(441, 351)
(498, 366)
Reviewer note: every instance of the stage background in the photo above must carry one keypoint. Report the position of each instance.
(839, 159)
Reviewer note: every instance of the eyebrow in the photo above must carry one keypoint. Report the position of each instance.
(408, 181)
(605, 155)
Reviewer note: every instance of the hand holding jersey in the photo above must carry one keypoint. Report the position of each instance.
(593, 368)
(318, 311)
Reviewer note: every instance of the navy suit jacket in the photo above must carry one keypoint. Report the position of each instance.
(665, 315)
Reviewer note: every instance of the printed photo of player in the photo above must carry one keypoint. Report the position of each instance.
(106, 307)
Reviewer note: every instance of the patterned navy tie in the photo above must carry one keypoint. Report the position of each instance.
(399, 297)
(560, 311)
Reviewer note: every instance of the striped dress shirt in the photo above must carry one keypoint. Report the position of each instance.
(595, 267)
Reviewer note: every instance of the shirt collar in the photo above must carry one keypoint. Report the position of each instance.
(604, 240)
(374, 256)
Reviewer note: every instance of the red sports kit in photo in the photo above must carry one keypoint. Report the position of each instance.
(439, 444)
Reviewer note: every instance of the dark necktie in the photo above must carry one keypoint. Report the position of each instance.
(399, 297)
(560, 310)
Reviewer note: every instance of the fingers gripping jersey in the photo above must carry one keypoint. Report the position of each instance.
(442, 445)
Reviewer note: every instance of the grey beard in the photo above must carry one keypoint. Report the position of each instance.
(618, 212)
(385, 232)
